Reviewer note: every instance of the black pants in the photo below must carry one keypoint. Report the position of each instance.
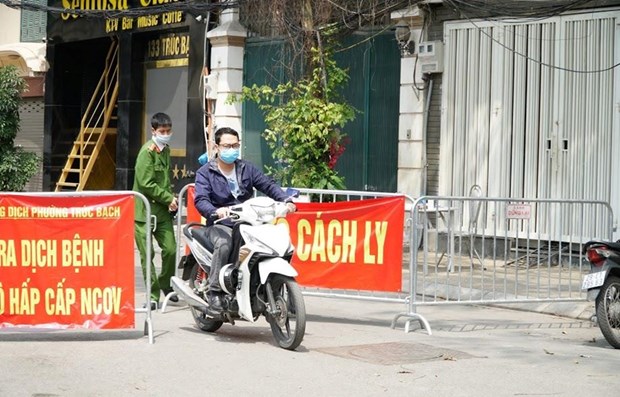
(221, 238)
(226, 243)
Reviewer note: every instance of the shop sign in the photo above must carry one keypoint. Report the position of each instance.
(126, 22)
(168, 46)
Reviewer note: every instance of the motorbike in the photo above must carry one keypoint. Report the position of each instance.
(603, 286)
(260, 282)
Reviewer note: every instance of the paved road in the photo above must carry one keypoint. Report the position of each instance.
(349, 350)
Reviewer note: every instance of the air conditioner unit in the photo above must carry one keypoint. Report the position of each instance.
(430, 56)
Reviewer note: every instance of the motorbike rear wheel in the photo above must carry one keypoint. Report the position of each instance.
(288, 323)
(197, 281)
(608, 310)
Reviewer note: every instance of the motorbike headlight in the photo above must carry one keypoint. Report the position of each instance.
(254, 241)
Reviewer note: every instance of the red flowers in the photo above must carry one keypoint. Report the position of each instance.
(335, 151)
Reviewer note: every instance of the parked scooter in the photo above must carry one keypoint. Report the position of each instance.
(603, 286)
(261, 282)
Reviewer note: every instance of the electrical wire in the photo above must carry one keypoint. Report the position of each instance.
(196, 7)
(550, 10)
(515, 9)
(371, 37)
(415, 65)
(489, 10)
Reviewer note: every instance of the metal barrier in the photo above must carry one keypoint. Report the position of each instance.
(480, 250)
(180, 217)
(321, 195)
(148, 326)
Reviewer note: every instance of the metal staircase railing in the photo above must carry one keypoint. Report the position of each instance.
(94, 128)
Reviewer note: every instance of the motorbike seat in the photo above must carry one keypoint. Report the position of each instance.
(614, 246)
(200, 235)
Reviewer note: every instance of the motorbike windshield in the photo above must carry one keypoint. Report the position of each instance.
(264, 213)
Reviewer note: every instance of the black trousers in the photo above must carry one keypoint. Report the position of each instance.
(226, 243)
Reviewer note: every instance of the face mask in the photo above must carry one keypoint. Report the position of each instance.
(229, 155)
(162, 140)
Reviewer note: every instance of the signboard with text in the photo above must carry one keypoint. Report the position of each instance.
(348, 245)
(354, 245)
(86, 19)
(518, 211)
(67, 262)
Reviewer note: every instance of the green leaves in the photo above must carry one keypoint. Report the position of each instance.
(303, 124)
(16, 169)
(16, 166)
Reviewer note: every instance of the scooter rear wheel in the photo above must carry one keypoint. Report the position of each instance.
(197, 281)
(608, 310)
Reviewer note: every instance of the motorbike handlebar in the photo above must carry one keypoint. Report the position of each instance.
(238, 212)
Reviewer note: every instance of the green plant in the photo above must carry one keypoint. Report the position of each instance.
(16, 165)
(304, 122)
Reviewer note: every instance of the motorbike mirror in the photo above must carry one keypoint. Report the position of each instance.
(292, 192)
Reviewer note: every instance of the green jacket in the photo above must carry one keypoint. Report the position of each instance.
(152, 179)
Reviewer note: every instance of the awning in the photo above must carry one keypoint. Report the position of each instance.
(28, 58)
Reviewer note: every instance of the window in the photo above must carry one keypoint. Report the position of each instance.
(33, 24)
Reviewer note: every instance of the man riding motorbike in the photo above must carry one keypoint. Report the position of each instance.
(224, 181)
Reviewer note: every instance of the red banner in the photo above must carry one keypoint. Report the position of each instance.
(354, 245)
(67, 262)
(347, 245)
(192, 213)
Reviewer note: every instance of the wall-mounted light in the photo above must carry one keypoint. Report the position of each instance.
(402, 33)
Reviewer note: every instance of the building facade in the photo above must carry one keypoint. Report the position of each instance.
(525, 107)
(22, 46)
(109, 75)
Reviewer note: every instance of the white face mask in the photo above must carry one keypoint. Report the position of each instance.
(162, 140)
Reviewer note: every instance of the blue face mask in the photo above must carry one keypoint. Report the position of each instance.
(229, 155)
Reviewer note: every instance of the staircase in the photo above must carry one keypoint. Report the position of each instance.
(91, 163)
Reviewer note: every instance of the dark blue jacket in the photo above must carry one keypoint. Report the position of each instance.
(212, 189)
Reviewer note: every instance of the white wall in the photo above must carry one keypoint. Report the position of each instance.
(10, 21)
(411, 134)
(411, 150)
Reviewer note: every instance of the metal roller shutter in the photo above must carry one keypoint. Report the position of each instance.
(30, 136)
(519, 128)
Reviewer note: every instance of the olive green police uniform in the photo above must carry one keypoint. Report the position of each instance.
(152, 179)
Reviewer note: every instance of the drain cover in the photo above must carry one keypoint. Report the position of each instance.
(395, 353)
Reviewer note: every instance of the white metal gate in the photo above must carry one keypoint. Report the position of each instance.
(521, 118)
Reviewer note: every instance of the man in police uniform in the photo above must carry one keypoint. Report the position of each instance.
(152, 179)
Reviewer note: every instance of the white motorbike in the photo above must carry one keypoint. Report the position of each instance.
(261, 282)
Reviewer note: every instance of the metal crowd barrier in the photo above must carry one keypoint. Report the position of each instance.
(322, 195)
(481, 250)
(181, 216)
(148, 325)
(331, 196)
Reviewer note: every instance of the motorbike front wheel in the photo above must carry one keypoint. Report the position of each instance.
(198, 281)
(288, 318)
(608, 310)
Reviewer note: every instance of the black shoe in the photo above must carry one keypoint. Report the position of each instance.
(173, 298)
(154, 305)
(215, 301)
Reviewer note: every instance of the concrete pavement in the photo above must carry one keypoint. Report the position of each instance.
(349, 350)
